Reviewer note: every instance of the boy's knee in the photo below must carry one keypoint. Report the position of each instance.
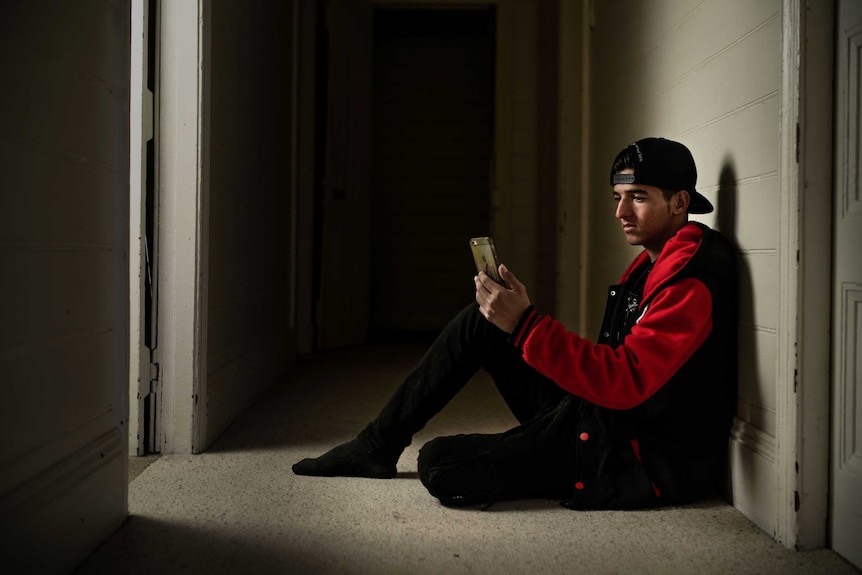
(456, 480)
(429, 454)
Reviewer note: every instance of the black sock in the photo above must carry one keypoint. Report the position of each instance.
(352, 459)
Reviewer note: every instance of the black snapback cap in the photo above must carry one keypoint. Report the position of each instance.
(664, 164)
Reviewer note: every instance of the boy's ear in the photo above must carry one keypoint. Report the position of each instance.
(680, 202)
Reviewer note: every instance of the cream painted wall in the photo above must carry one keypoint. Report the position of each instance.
(64, 145)
(707, 74)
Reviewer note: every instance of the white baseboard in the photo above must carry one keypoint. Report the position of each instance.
(50, 522)
(754, 474)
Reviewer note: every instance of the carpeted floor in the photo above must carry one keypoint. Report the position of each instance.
(239, 509)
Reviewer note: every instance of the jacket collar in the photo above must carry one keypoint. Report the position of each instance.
(674, 257)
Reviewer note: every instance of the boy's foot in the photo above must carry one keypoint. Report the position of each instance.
(351, 459)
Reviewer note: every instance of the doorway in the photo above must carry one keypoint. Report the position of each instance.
(432, 163)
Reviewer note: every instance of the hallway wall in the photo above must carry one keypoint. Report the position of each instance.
(250, 341)
(64, 159)
(707, 74)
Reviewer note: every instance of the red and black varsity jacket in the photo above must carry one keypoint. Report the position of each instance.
(658, 388)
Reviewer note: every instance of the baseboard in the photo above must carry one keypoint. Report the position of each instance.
(753, 474)
(53, 520)
(757, 440)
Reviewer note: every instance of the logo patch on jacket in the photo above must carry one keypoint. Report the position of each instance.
(640, 317)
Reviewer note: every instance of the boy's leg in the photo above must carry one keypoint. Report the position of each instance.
(535, 459)
(526, 392)
(465, 344)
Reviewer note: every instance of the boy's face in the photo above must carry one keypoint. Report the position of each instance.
(648, 219)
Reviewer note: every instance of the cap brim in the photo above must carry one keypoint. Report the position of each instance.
(699, 204)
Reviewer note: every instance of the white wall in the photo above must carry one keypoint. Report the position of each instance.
(64, 148)
(707, 74)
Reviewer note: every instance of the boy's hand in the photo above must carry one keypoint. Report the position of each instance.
(501, 306)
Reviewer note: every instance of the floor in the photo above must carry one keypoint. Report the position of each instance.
(239, 508)
(138, 464)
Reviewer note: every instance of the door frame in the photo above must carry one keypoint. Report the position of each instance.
(184, 93)
(805, 255)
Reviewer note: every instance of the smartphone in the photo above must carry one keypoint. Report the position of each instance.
(485, 257)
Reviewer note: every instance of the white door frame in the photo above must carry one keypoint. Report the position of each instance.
(183, 223)
(802, 459)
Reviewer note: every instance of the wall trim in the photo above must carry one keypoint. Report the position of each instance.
(35, 492)
(51, 521)
(755, 439)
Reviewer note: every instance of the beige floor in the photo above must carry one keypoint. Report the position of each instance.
(239, 509)
(138, 464)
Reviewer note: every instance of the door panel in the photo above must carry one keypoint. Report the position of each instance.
(342, 307)
(846, 524)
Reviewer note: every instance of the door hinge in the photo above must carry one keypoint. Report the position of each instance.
(798, 135)
(151, 409)
(154, 377)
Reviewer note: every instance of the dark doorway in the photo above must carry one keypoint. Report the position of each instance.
(432, 154)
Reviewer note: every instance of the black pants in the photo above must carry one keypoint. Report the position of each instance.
(534, 459)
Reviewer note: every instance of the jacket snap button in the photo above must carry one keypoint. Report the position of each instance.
(606, 334)
(613, 292)
(585, 436)
(579, 485)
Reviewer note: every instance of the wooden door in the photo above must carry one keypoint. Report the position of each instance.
(846, 521)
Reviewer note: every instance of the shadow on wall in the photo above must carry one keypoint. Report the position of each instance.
(747, 354)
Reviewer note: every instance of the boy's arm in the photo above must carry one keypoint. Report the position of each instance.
(675, 324)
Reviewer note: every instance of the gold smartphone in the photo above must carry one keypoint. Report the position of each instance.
(485, 257)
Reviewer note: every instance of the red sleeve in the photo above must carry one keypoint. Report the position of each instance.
(675, 324)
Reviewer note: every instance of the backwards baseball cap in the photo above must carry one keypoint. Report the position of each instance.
(664, 164)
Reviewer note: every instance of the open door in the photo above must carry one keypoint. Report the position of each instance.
(846, 522)
(143, 368)
(342, 305)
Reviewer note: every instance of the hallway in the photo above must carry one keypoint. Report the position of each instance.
(239, 509)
